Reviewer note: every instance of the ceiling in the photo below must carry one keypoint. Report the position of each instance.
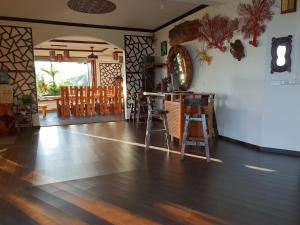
(139, 14)
(78, 46)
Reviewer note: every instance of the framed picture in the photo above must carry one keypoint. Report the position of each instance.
(288, 6)
(164, 48)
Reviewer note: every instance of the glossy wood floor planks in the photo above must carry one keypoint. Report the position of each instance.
(100, 174)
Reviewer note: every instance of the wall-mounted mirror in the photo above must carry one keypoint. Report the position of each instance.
(180, 68)
(281, 54)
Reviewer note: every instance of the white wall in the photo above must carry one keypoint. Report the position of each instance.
(281, 118)
(248, 108)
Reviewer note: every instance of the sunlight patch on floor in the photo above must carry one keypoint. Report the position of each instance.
(41, 214)
(104, 210)
(184, 215)
(3, 150)
(259, 168)
(141, 145)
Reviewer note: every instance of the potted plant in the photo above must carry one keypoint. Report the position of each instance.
(165, 81)
(53, 88)
(27, 100)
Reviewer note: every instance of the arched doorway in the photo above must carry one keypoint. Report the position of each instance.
(81, 62)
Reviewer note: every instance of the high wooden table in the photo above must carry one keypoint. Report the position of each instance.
(174, 103)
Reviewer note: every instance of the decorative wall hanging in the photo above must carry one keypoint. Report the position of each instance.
(253, 18)
(281, 54)
(163, 48)
(16, 57)
(288, 6)
(202, 55)
(187, 31)
(109, 72)
(92, 6)
(237, 50)
(136, 48)
(215, 31)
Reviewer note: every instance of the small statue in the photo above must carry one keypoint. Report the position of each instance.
(237, 50)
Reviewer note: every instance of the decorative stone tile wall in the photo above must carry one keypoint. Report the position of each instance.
(17, 58)
(136, 47)
(109, 72)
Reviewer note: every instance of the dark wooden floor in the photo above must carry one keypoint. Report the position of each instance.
(52, 119)
(100, 174)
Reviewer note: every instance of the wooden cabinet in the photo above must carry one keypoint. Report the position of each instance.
(7, 119)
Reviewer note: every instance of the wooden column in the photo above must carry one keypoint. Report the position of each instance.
(94, 72)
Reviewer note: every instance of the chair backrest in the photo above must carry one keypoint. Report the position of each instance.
(65, 101)
(81, 101)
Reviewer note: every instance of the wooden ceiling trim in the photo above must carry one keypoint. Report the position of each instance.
(71, 50)
(79, 42)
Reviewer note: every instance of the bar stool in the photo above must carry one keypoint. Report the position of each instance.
(156, 113)
(195, 117)
(141, 107)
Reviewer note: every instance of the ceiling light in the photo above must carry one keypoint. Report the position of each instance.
(66, 55)
(59, 57)
(52, 56)
(92, 56)
(92, 6)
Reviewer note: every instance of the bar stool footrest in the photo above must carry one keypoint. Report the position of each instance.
(194, 143)
(159, 131)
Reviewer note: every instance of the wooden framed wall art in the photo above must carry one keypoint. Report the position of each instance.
(288, 6)
(164, 48)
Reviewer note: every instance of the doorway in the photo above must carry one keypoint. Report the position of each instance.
(80, 80)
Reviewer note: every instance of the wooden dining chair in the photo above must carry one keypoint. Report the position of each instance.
(90, 101)
(64, 107)
(81, 102)
(118, 100)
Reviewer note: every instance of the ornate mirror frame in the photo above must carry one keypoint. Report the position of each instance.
(178, 49)
(282, 41)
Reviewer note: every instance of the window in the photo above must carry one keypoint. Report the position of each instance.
(52, 75)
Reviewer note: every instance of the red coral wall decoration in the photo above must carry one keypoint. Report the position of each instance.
(253, 18)
(215, 31)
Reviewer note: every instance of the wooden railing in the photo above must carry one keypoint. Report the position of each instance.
(89, 101)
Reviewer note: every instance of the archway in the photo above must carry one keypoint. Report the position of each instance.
(100, 64)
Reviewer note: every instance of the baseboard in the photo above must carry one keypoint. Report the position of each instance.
(262, 149)
(239, 142)
(280, 151)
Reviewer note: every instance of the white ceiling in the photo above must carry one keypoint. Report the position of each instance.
(142, 14)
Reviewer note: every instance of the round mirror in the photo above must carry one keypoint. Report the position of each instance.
(180, 68)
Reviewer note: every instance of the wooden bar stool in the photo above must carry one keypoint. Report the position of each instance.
(199, 117)
(156, 113)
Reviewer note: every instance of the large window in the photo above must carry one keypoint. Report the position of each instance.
(51, 75)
